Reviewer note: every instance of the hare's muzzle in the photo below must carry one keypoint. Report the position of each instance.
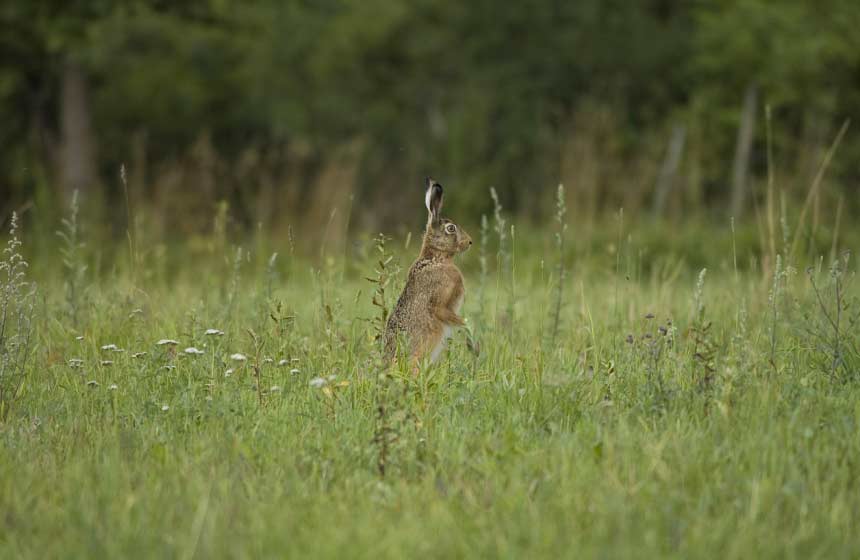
(465, 242)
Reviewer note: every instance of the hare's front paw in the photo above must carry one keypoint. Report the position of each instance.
(449, 317)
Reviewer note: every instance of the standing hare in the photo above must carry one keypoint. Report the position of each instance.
(427, 310)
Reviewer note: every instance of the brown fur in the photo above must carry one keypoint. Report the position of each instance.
(434, 287)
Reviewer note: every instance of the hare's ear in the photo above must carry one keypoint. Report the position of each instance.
(433, 200)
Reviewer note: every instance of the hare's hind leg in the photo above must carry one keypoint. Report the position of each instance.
(430, 346)
(440, 344)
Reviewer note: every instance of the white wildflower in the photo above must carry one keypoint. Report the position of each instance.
(268, 360)
(107, 362)
(282, 363)
(317, 382)
(214, 332)
(167, 342)
(92, 383)
(165, 407)
(112, 348)
(228, 373)
(170, 367)
(113, 387)
(193, 351)
(76, 362)
(139, 354)
(237, 357)
(79, 338)
(294, 371)
(275, 389)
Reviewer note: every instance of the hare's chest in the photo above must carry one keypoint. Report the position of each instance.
(458, 303)
(460, 291)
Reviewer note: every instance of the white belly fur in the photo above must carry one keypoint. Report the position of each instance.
(446, 334)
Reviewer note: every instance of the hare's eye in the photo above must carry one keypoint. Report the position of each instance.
(450, 228)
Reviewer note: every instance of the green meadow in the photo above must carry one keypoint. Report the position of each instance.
(642, 391)
(208, 210)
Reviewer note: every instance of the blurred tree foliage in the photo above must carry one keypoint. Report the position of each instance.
(281, 101)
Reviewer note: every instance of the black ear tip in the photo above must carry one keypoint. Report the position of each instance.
(431, 183)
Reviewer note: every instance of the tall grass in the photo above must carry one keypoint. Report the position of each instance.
(674, 414)
(17, 303)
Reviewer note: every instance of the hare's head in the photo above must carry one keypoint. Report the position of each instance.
(442, 235)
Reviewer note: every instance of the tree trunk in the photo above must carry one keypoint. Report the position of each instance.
(740, 167)
(669, 169)
(77, 148)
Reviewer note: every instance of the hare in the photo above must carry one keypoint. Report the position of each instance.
(427, 310)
